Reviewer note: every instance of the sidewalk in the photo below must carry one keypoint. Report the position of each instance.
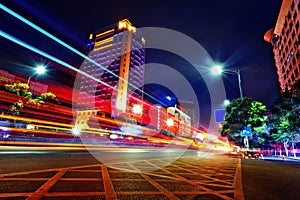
(282, 158)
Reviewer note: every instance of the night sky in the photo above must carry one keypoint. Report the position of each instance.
(230, 31)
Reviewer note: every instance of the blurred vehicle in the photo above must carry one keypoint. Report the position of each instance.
(251, 154)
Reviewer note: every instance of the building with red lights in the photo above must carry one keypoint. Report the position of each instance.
(116, 58)
(285, 39)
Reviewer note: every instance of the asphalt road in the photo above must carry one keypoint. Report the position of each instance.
(142, 174)
(271, 180)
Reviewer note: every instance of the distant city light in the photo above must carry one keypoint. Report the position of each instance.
(131, 130)
(30, 126)
(113, 136)
(137, 109)
(200, 136)
(3, 128)
(76, 131)
(170, 122)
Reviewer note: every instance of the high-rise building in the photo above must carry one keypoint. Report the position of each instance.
(285, 39)
(116, 58)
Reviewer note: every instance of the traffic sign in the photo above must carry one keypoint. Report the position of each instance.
(246, 132)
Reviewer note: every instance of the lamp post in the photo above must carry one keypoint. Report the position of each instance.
(39, 70)
(217, 70)
(238, 72)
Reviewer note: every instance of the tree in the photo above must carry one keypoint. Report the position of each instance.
(244, 112)
(48, 96)
(21, 89)
(284, 118)
(25, 98)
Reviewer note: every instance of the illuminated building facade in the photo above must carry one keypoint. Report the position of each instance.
(117, 58)
(285, 39)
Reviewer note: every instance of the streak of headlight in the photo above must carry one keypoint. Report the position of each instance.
(40, 132)
(38, 51)
(136, 150)
(51, 127)
(35, 120)
(48, 144)
(69, 47)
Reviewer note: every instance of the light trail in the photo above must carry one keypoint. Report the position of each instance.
(42, 53)
(34, 120)
(55, 59)
(38, 146)
(70, 48)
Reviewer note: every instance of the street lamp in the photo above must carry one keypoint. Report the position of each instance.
(226, 102)
(218, 70)
(39, 70)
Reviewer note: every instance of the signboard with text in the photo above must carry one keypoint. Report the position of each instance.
(247, 132)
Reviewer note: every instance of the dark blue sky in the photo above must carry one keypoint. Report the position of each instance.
(231, 32)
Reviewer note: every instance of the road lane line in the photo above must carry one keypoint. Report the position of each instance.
(10, 195)
(108, 186)
(164, 191)
(73, 194)
(194, 183)
(28, 172)
(237, 183)
(204, 175)
(39, 193)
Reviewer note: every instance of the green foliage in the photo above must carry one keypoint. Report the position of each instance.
(21, 89)
(284, 116)
(244, 112)
(47, 96)
(26, 97)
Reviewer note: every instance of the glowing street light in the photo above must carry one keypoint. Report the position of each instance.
(218, 70)
(226, 102)
(40, 69)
